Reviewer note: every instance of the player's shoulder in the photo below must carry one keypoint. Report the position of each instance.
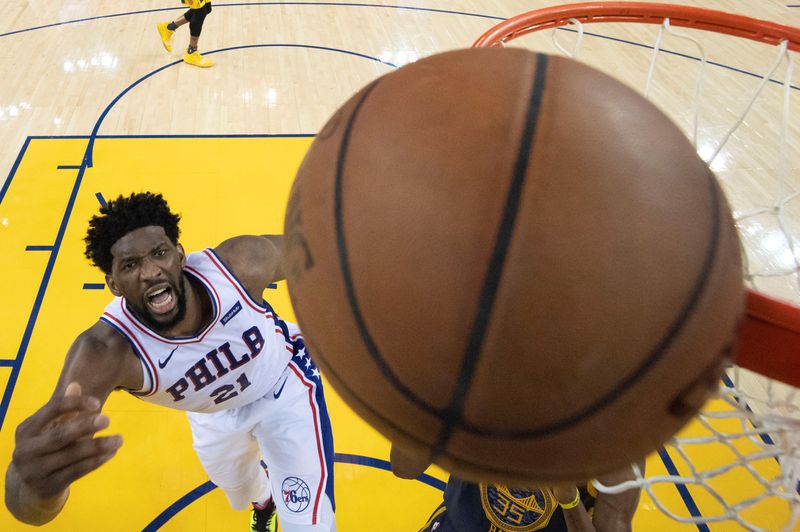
(100, 353)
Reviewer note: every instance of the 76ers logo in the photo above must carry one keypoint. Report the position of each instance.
(296, 494)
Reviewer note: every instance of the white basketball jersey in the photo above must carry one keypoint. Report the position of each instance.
(233, 361)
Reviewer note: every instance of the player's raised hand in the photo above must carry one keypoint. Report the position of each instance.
(57, 444)
(407, 465)
(565, 494)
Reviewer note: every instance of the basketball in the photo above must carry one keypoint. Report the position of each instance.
(513, 265)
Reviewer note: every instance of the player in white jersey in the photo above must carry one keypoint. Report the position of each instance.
(191, 332)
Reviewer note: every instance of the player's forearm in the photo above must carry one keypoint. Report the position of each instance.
(27, 506)
(609, 517)
(575, 514)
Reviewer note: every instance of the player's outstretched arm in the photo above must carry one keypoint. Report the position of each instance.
(57, 444)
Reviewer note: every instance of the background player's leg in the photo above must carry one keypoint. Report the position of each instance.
(166, 29)
(196, 20)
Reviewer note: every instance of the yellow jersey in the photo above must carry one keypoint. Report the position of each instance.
(194, 4)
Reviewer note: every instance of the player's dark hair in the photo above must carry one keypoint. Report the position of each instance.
(123, 215)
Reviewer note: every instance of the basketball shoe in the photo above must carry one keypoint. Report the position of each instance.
(166, 35)
(197, 60)
(265, 520)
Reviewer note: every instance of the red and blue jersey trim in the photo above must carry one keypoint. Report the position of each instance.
(138, 349)
(215, 303)
(263, 306)
(324, 437)
(322, 424)
(235, 282)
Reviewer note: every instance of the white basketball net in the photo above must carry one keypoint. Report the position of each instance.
(739, 460)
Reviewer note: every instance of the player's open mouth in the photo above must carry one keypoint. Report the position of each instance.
(161, 300)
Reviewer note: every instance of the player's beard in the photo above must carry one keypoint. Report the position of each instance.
(162, 326)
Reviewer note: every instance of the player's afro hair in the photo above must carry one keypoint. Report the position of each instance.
(123, 215)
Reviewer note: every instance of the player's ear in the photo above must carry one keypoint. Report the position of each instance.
(112, 285)
(181, 254)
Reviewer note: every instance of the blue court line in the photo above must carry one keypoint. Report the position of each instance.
(688, 501)
(68, 167)
(14, 169)
(385, 465)
(100, 199)
(340, 458)
(24, 148)
(179, 505)
(379, 6)
(88, 154)
(38, 248)
(37, 304)
(765, 437)
(7, 362)
(217, 6)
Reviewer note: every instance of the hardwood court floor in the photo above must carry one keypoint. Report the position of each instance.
(91, 78)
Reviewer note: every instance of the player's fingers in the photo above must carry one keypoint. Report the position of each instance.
(73, 389)
(65, 476)
(69, 403)
(43, 473)
(56, 407)
(73, 399)
(70, 430)
(78, 452)
(61, 479)
(30, 448)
